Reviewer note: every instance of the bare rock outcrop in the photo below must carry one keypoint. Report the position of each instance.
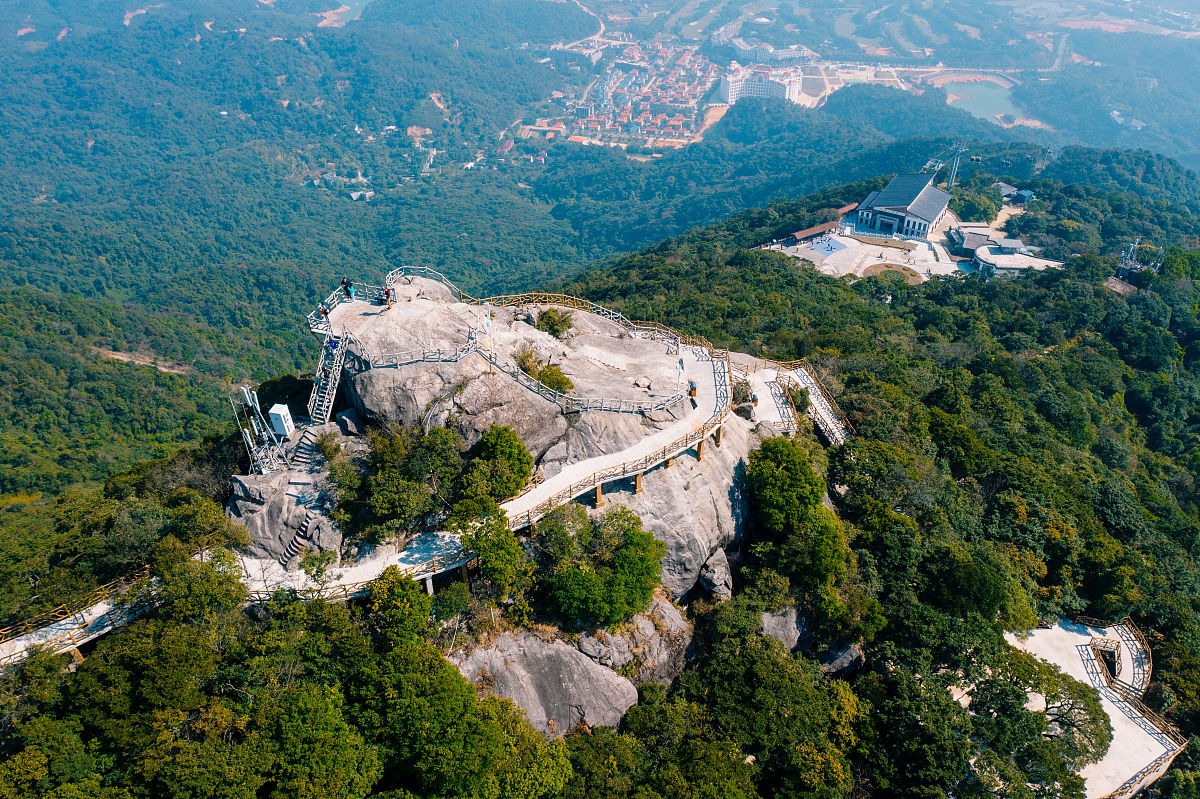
(278, 507)
(715, 577)
(268, 511)
(556, 685)
(650, 647)
(844, 661)
(789, 628)
(694, 507)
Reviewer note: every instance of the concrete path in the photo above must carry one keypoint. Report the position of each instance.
(1137, 743)
(430, 554)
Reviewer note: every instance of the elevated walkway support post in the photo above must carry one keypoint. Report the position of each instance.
(637, 483)
(599, 503)
(667, 463)
(700, 450)
(718, 435)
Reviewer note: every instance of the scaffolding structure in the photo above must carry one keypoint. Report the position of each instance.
(263, 444)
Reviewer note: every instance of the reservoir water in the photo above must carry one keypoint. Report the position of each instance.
(983, 99)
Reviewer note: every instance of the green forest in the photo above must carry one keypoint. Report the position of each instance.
(1026, 450)
(178, 199)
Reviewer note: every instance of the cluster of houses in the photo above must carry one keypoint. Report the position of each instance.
(652, 90)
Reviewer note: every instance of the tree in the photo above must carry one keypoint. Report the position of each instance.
(917, 734)
(784, 485)
(320, 756)
(435, 459)
(399, 606)
(502, 467)
(501, 558)
(193, 589)
(554, 321)
(397, 500)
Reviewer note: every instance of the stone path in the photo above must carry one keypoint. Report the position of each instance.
(432, 553)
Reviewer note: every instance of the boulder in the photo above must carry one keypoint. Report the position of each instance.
(789, 628)
(650, 647)
(716, 578)
(641, 382)
(274, 508)
(765, 430)
(745, 410)
(556, 685)
(843, 661)
(350, 422)
(325, 535)
(252, 491)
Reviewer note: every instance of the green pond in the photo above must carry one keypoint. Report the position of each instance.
(983, 99)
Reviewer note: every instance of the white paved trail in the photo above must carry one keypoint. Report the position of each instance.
(1140, 751)
(430, 554)
(764, 378)
(434, 553)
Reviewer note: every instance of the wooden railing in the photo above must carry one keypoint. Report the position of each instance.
(1099, 645)
(343, 592)
(1142, 670)
(825, 398)
(1138, 781)
(1123, 691)
(637, 465)
(48, 617)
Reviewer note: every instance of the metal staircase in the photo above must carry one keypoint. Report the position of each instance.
(325, 381)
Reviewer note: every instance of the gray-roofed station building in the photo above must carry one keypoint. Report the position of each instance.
(909, 206)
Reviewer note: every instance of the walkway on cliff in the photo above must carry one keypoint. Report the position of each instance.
(709, 368)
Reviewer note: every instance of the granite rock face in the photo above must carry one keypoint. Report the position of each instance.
(844, 661)
(715, 577)
(556, 685)
(275, 508)
(789, 628)
(269, 513)
(651, 647)
(694, 507)
(350, 423)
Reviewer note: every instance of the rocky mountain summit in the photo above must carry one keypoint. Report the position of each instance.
(431, 361)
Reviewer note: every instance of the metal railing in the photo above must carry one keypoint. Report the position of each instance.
(722, 374)
(319, 322)
(630, 468)
(327, 378)
(363, 360)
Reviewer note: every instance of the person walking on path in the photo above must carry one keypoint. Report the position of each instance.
(387, 295)
(348, 287)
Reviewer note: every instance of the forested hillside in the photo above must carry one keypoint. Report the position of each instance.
(1026, 449)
